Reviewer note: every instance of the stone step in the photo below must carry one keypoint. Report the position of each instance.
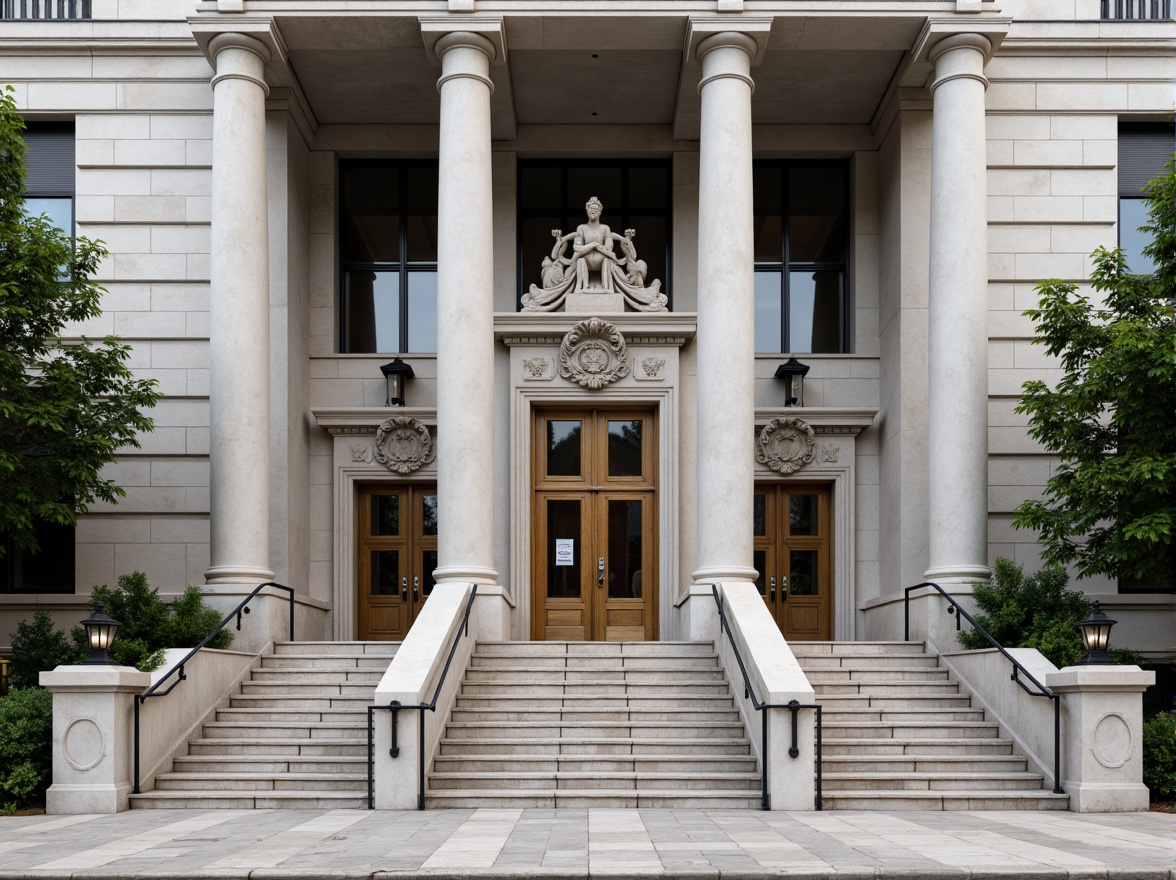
(810, 649)
(261, 781)
(598, 799)
(245, 800)
(352, 649)
(279, 746)
(301, 701)
(892, 674)
(897, 688)
(838, 730)
(261, 763)
(819, 662)
(855, 763)
(313, 675)
(301, 687)
(596, 688)
(532, 675)
(895, 701)
(607, 780)
(838, 781)
(325, 661)
(350, 716)
(577, 714)
(595, 661)
(275, 730)
(945, 800)
(633, 729)
(872, 746)
(900, 716)
(653, 763)
(510, 702)
(592, 745)
(519, 649)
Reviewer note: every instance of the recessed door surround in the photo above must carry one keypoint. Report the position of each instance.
(396, 555)
(793, 557)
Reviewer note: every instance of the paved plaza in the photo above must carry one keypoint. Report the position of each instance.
(343, 844)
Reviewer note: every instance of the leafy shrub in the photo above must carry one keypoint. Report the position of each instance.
(192, 620)
(1159, 756)
(26, 747)
(38, 647)
(1035, 611)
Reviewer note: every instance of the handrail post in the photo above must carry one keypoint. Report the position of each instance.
(1057, 701)
(794, 750)
(765, 791)
(394, 751)
(421, 761)
(136, 701)
(371, 756)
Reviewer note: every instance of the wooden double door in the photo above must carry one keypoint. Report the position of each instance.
(793, 557)
(594, 525)
(397, 547)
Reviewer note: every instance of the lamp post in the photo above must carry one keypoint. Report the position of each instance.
(792, 373)
(1096, 633)
(396, 374)
(100, 629)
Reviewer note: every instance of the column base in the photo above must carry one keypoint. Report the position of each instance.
(465, 574)
(728, 573)
(955, 574)
(1106, 797)
(237, 574)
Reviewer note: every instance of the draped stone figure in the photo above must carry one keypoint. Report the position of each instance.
(594, 267)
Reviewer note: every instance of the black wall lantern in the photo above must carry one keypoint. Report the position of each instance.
(100, 630)
(1096, 633)
(792, 373)
(396, 374)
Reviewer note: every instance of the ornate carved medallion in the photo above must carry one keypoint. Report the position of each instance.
(403, 445)
(594, 354)
(786, 445)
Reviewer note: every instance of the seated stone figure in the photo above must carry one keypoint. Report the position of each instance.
(594, 267)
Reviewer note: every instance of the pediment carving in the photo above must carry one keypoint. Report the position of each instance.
(594, 354)
(404, 445)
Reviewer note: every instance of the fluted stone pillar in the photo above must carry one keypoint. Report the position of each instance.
(726, 311)
(239, 386)
(465, 313)
(958, 346)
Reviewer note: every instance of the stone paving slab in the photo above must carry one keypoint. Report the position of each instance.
(587, 845)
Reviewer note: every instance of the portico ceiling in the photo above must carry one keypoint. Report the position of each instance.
(596, 69)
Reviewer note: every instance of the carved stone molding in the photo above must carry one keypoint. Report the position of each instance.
(786, 445)
(538, 369)
(360, 452)
(594, 354)
(650, 369)
(830, 452)
(404, 445)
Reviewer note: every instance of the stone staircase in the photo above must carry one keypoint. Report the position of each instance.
(295, 737)
(900, 735)
(594, 724)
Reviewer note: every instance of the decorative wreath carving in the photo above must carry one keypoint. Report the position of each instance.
(786, 445)
(593, 354)
(403, 445)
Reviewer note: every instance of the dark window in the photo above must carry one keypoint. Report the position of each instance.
(388, 254)
(49, 570)
(801, 257)
(1144, 149)
(635, 194)
(49, 166)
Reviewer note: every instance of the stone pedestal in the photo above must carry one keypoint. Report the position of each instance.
(1102, 736)
(93, 737)
(594, 303)
(958, 315)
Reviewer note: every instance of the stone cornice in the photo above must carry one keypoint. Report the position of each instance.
(825, 420)
(349, 420)
(98, 37)
(638, 328)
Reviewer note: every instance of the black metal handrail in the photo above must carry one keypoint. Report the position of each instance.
(45, 10)
(178, 669)
(396, 707)
(1136, 10)
(1019, 670)
(794, 706)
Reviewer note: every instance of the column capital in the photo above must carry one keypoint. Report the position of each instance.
(260, 36)
(749, 34)
(487, 34)
(940, 35)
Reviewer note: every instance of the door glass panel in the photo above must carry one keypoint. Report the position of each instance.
(624, 549)
(624, 448)
(385, 514)
(563, 549)
(428, 514)
(802, 515)
(760, 561)
(563, 448)
(385, 572)
(760, 515)
(803, 572)
(428, 564)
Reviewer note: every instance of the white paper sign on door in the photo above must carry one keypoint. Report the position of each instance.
(563, 551)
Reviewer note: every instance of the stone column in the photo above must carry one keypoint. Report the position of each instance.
(465, 312)
(726, 312)
(239, 345)
(958, 331)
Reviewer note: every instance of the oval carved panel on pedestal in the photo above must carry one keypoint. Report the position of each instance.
(84, 744)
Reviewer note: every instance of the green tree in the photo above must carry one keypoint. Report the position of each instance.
(1108, 509)
(65, 408)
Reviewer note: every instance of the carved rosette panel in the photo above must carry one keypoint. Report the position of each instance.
(786, 445)
(594, 354)
(404, 445)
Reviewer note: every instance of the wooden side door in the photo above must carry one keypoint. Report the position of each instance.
(793, 556)
(396, 556)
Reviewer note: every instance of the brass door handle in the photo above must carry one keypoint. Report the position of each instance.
(416, 589)
(783, 589)
(404, 589)
(772, 583)
(600, 572)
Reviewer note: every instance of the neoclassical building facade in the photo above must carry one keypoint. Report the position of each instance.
(594, 232)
